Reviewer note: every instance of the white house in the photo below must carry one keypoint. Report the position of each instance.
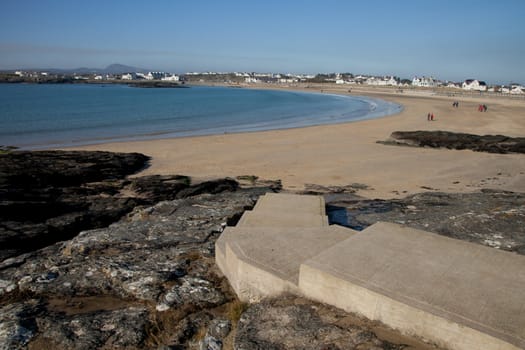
(517, 90)
(287, 80)
(128, 76)
(424, 82)
(172, 77)
(473, 84)
(384, 81)
(453, 85)
(251, 80)
(155, 75)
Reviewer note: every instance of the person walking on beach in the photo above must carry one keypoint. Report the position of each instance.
(432, 117)
(428, 116)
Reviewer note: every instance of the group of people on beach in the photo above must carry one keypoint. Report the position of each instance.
(482, 108)
(455, 104)
(430, 117)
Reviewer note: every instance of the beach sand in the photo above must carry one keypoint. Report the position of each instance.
(344, 154)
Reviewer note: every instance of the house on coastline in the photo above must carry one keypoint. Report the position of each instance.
(424, 82)
(513, 89)
(453, 85)
(170, 77)
(517, 89)
(128, 76)
(382, 81)
(474, 85)
(150, 76)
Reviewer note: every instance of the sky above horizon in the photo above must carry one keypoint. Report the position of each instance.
(446, 39)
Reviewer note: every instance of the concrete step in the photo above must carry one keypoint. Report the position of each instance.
(291, 203)
(457, 294)
(264, 218)
(263, 261)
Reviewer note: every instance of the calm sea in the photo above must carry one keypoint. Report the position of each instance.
(48, 116)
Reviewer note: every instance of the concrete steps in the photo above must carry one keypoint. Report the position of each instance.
(456, 294)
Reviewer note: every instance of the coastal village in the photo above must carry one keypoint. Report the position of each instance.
(247, 78)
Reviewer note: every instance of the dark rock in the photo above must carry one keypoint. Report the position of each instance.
(451, 140)
(219, 328)
(18, 324)
(159, 187)
(296, 323)
(42, 169)
(212, 187)
(210, 343)
(64, 193)
(155, 257)
(49, 196)
(118, 329)
(149, 280)
(492, 218)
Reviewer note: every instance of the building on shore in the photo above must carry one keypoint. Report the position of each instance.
(424, 82)
(474, 85)
(382, 81)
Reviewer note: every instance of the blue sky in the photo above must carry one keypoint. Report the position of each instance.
(454, 40)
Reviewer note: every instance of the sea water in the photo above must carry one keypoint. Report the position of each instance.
(34, 116)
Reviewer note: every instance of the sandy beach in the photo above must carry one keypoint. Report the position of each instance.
(344, 154)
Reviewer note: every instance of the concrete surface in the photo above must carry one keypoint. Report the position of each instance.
(286, 210)
(291, 203)
(258, 218)
(456, 294)
(261, 261)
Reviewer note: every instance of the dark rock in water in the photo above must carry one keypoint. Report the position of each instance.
(451, 140)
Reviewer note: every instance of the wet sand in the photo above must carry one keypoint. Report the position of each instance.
(343, 154)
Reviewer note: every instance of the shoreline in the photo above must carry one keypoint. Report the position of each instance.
(347, 153)
(318, 109)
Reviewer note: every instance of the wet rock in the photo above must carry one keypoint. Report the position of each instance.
(17, 324)
(451, 140)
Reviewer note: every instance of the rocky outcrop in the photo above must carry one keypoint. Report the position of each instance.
(492, 218)
(50, 196)
(295, 323)
(147, 280)
(451, 140)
